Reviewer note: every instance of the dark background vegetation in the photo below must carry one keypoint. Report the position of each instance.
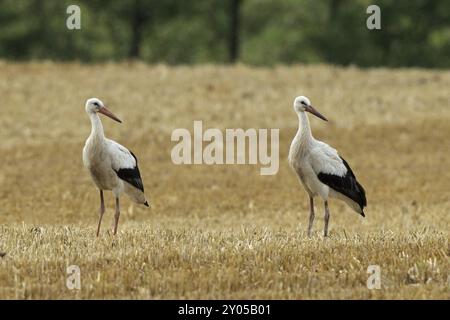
(258, 32)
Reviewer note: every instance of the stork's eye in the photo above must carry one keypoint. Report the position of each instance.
(303, 103)
(96, 104)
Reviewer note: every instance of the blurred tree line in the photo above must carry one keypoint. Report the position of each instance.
(260, 32)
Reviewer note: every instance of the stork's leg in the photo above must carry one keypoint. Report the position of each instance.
(116, 216)
(102, 211)
(326, 218)
(311, 215)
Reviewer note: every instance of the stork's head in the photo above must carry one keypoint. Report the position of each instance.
(302, 104)
(94, 105)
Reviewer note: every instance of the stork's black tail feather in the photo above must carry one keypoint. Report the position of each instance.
(346, 185)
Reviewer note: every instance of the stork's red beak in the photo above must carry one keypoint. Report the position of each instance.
(104, 110)
(311, 109)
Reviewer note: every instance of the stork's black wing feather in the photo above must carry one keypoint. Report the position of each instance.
(131, 175)
(347, 185)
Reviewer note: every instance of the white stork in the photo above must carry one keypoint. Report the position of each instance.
(111, 165)
(320, 169)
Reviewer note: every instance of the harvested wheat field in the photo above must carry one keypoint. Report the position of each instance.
(223, 231)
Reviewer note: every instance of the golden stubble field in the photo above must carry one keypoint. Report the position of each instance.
(223, 231)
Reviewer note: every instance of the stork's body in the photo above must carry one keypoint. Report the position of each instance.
(320, 169)
(111, 165)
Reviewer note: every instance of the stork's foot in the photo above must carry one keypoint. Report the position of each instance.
(116, 223)
(311, 216)
(116, 216)
(327, 219)
(101, 212)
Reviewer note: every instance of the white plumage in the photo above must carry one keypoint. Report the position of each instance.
(111, 165)
(320, 169)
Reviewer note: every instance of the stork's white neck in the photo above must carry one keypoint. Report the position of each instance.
(97, 127)
(304, 129)
(302, 141)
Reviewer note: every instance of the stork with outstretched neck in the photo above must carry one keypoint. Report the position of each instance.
(320, 169)
(111, 165)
